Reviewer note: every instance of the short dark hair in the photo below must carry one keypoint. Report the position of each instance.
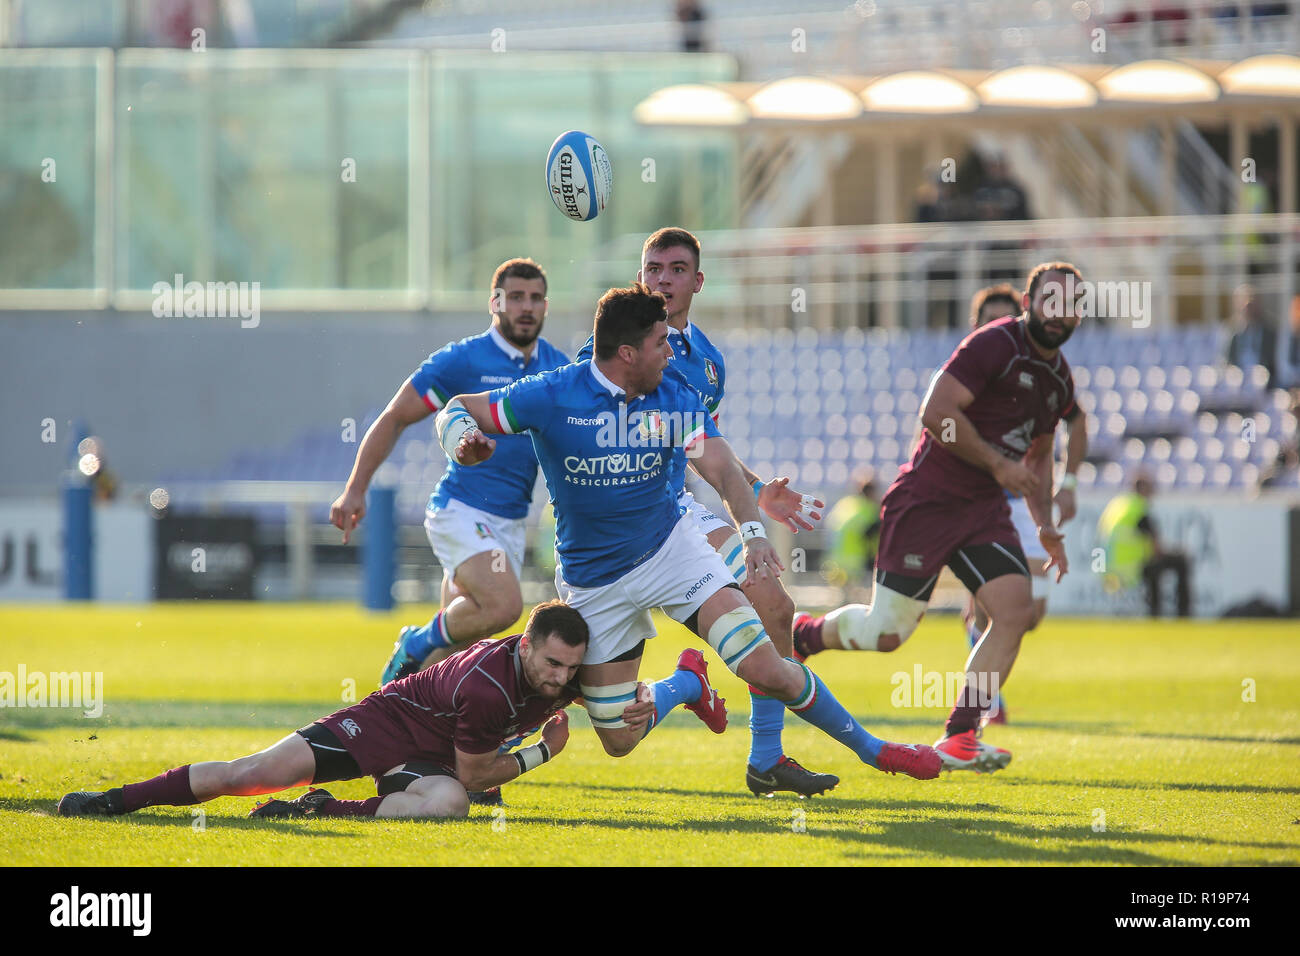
(626, 317)
(557, 619)
(1043, 268)
(671, 236)
(1002, 292)
(519, 269)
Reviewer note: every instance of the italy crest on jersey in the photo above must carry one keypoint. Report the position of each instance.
(711, 372)
(652, 428)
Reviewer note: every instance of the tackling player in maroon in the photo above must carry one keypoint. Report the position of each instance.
(426, 739)
(989, 419)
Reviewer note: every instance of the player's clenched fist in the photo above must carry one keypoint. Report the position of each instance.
(474, 447)
(556, 732)
(1015, 477)
(347, 511)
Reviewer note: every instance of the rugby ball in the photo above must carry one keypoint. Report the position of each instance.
(579, 176)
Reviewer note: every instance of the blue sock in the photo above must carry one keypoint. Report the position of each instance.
(683, 687)
(420, 642)
(817, 705)
(766, 721)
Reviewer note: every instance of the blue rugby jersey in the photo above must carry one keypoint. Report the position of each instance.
(606, 462)
(502, 485)
(700, 363)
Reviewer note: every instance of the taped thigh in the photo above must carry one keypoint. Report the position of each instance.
(605, 704)
(732, 552)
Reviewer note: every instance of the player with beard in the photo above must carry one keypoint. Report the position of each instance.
(670, 265)
(606, 432)
(476, 527)
(996, 302)
(426, 739)
(989, 419)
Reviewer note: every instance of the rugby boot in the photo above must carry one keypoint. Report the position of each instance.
(788, 775)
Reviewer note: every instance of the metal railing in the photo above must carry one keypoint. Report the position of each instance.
(915, 275)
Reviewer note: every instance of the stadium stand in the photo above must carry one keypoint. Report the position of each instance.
(1197, 425)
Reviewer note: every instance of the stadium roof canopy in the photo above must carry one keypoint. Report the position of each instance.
(1140, 92)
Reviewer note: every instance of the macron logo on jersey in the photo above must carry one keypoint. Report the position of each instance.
(573, 420)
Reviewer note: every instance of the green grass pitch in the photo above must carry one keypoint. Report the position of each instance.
(1135, 742)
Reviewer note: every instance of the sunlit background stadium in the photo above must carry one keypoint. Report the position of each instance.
(855, 172)
(351, 172)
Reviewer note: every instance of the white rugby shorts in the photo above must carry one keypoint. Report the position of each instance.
(678, 578)
(457, 532)
(703, 518)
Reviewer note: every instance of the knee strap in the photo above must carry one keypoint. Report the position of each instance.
(860, 627)
(605, 705)
(733, 553)
(736, 634)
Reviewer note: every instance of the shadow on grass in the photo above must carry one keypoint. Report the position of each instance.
(1094, 728)
(984, 834)
(120, 714)
(49, 808)
(929, 831)
(1152, 785)
(15, 735)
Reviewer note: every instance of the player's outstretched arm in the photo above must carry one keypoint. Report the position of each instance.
(406, 408)
(717, 464)
(943, 415)
(463, 426)
(485, 771)
(778, 500)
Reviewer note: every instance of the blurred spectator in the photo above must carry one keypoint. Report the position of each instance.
(1288, 350)
(855, 521)
(1288, 455)
(1133, 551)
(1252, 341)
(999, 196)
(691, 16)
(939, 201)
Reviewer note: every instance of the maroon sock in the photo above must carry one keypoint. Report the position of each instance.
(808, 636)
(170, 789)
(349, 808)
(966, 712)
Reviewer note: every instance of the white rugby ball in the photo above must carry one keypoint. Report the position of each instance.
(579, 176)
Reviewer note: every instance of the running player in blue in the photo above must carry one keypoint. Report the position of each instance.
(670, 265)
(476, 526)
(606, 433)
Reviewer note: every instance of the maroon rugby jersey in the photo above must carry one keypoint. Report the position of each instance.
(1019, 395)
(473, 701)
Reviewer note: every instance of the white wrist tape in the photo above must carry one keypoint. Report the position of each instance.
(530, 758)
(452, 424)
(1069, 482)
(752, 529)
